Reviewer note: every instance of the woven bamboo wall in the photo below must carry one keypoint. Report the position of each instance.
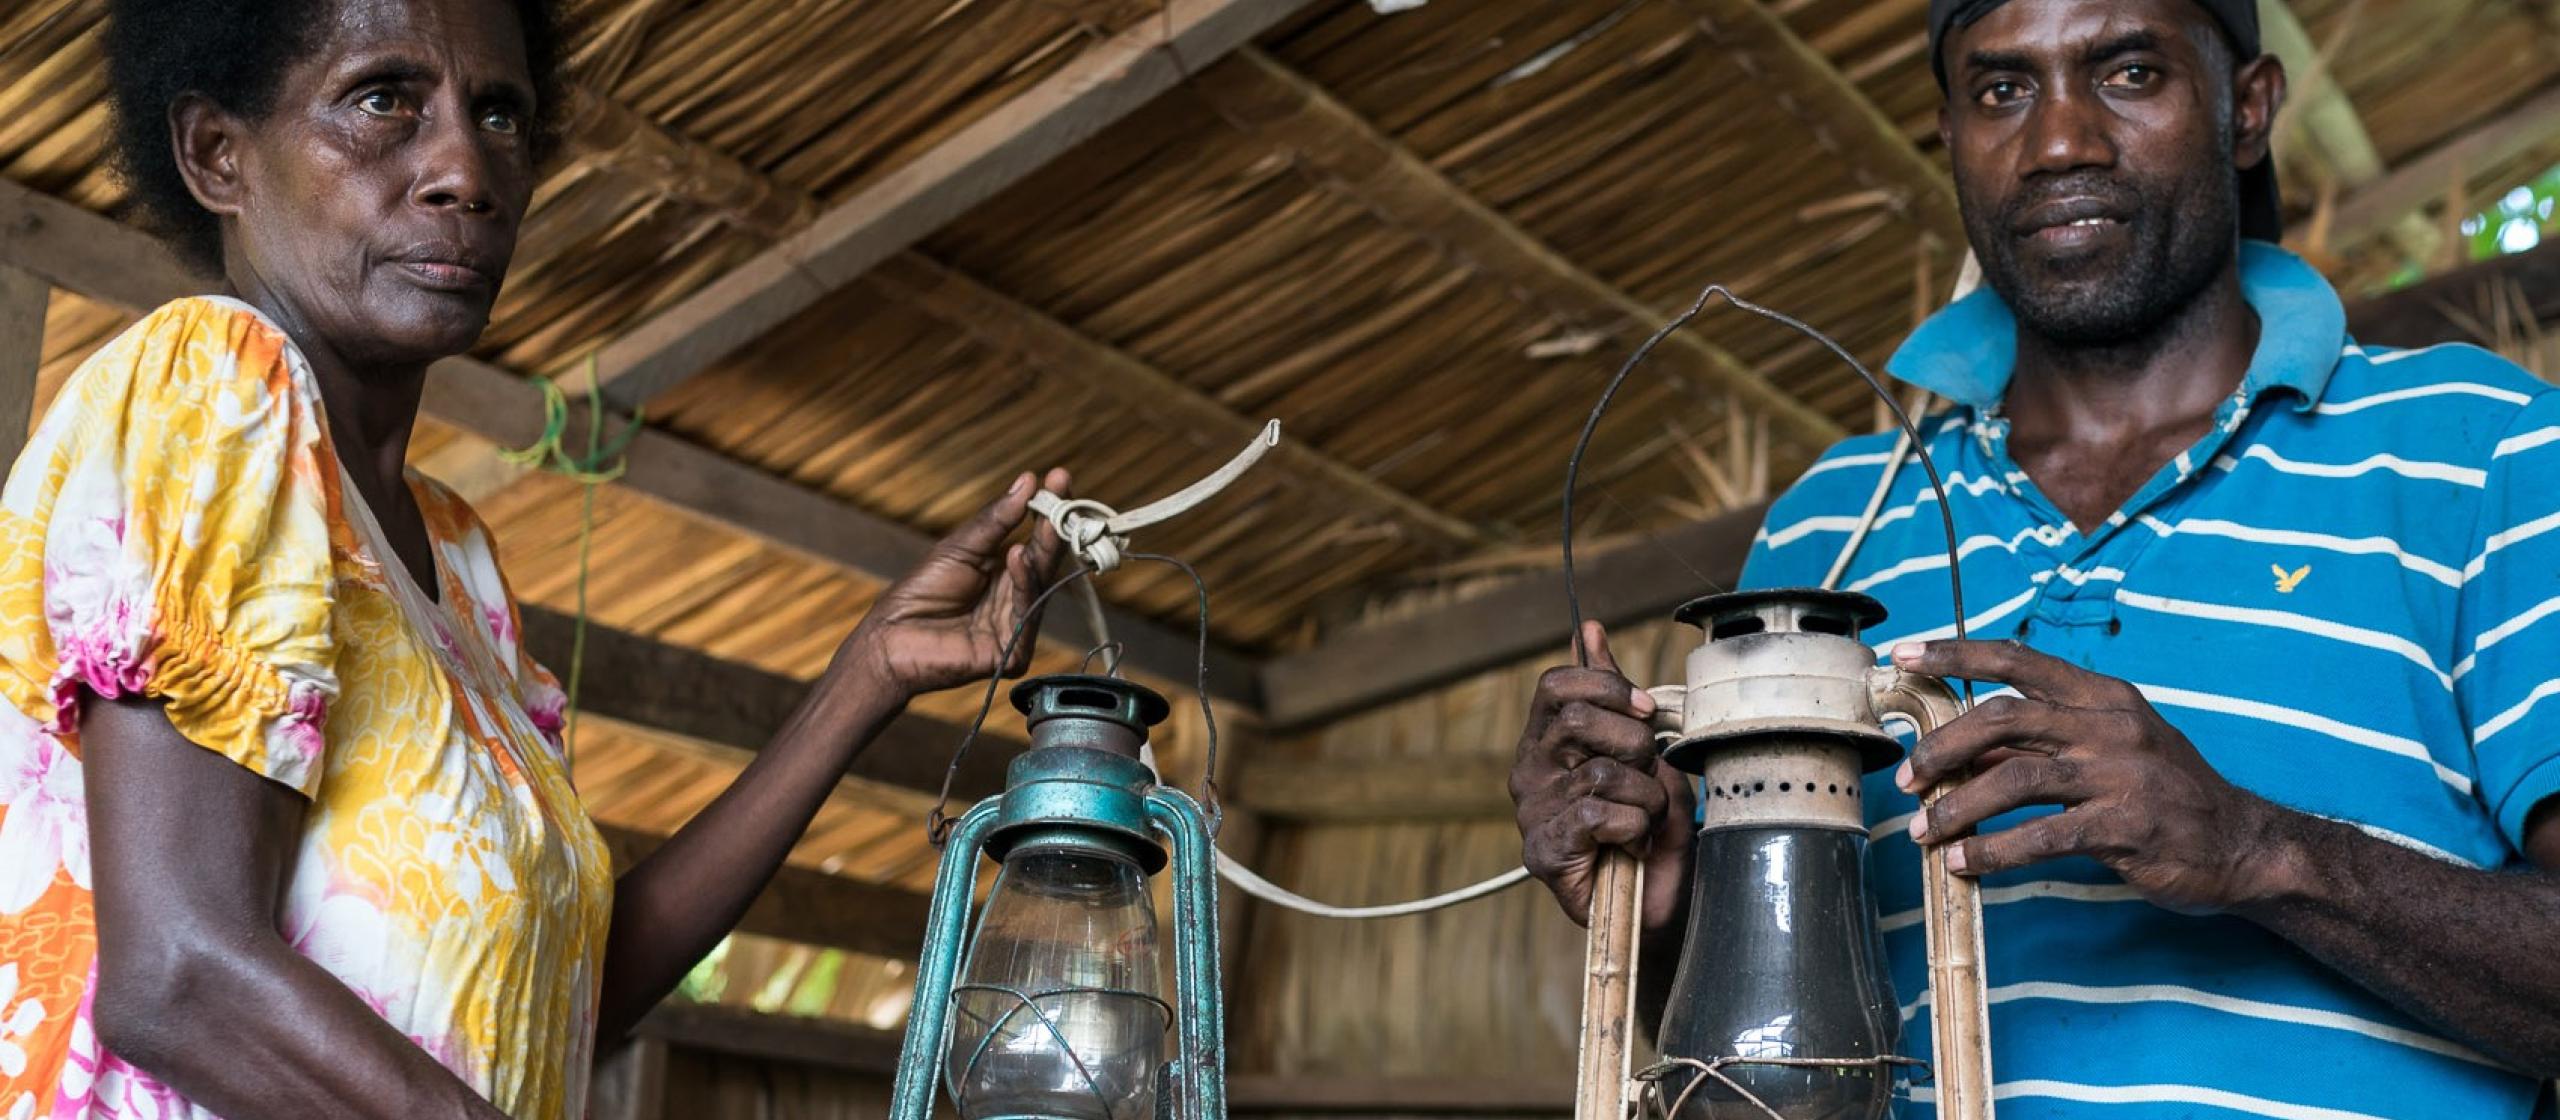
(1489, 988)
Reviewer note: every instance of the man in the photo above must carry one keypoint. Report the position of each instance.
(2261, 797)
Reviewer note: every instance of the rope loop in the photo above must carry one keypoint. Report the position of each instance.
(603, 462)
(1084, 525)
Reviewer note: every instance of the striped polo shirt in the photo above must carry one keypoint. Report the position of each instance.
(2347, 595)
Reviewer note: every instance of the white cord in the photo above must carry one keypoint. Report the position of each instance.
(1968, 278)
(1867, 520)
(1261, 888)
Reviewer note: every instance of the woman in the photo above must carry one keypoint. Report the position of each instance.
(285, 828)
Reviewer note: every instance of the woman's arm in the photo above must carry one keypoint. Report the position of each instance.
(944, 625)
(190, 853)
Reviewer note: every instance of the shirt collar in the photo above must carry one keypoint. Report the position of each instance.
(1966, 351)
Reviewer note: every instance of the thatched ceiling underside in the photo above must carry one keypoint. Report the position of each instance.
(1613, 131)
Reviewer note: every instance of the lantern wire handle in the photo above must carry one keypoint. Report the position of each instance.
(1200, 683)
(938, 823)
(1901, 418)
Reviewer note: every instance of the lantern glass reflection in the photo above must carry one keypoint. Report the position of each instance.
(1059, 1012)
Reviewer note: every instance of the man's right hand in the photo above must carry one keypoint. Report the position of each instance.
(1588, 778)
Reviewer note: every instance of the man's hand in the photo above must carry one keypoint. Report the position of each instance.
(1588, 778)
(2135, 794)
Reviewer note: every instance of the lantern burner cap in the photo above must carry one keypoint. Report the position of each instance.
(1782, 610)
(1086, 696)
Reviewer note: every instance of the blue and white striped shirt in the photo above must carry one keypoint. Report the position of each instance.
(2347, 595)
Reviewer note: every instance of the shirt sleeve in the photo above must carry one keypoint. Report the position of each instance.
(187, 552)
(2507, 680)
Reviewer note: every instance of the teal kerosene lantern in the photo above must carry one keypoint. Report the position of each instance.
(1050, 1007)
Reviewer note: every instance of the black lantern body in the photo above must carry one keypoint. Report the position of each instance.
(1781, 1005)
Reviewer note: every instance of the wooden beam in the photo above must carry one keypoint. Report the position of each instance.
(625, 143)
(115, 264)
(23, 297)
(1008, 325)
(739, 1032)
(1837, 115)
(852, 1048)
(691, 694)
(1372, 665)
(2422, 182)
(1350, 155)
(812, 907)
(1334, 1093)
(630, 1082)
(2447, 308)
(1402, 788)
(2319, 129)
(1102, 85)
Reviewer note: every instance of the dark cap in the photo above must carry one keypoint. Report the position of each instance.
(2261, 206)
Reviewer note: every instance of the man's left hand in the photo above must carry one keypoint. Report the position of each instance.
(2136, 795)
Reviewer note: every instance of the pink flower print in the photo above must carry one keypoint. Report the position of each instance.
(502, 626)
(294, 740)
(97, 1085)
(18, 1019)
(99, 625)
(44, 823)
(547, 708)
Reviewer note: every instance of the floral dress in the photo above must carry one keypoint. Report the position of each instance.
(179, 528)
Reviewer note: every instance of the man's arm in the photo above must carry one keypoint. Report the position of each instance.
(2476, 953)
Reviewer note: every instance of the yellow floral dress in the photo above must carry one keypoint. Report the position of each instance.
(179, 528)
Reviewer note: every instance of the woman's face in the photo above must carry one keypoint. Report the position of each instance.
(378, 202)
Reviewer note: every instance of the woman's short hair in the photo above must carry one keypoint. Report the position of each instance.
(235, 53)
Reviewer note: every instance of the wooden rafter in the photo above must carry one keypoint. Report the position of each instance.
(103, 260)
(1453, 1095)
(1403, 788)
(1349, 154)
(1371, 665)
(2457, 306)
(812, 907)
(1102, 85)
(1837, 114)
(628, 144)
(23, 298)
(736, 709)
(2320, 130)
(2414, 185)
(807, 1040)
(852, 1048)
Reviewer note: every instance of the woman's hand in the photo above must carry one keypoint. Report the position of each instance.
(947, 622)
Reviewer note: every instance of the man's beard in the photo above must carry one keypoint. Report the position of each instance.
(2178, 240)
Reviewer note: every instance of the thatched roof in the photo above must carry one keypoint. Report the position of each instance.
(1421, 239)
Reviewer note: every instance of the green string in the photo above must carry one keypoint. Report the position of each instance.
(601, 464)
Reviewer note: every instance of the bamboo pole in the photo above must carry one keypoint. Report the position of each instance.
(1608, 989)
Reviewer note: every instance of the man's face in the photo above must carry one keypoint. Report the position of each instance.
(2094, 160)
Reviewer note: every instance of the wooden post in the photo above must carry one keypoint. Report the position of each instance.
(632, 1083)
(22, 302)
